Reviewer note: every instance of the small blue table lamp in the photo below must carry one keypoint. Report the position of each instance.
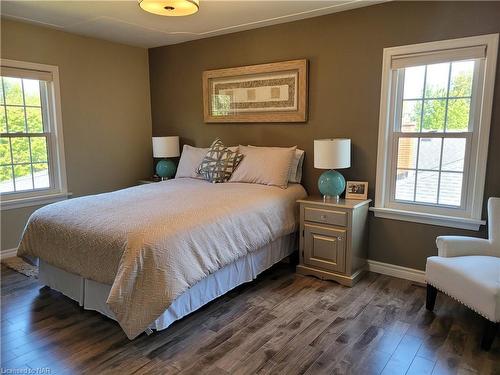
(332, 154)
(166, 147)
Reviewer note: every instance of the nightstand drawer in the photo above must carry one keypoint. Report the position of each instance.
(325, 247)
(320, 215)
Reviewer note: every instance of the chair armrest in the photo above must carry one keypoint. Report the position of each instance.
(456, 246)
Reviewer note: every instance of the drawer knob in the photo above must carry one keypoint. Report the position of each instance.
(340, 238)
(323, 217)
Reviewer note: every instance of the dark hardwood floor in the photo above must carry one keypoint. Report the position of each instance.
(281, 323)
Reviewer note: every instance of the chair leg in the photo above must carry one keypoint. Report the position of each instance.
(489, 333)
(431, 297)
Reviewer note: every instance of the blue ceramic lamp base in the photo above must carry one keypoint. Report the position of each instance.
(166, 169)
(331, 184)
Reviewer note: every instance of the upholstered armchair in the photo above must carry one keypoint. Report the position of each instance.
(468, 270)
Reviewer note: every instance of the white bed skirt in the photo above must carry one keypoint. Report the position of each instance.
(93, 295)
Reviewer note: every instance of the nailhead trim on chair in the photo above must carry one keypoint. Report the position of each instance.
(462, 302)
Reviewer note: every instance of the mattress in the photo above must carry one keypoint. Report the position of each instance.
(92, 295)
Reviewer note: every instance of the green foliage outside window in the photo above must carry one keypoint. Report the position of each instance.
(435, 114)
(21, 114)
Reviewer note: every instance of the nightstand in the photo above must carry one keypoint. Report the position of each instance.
(334, 239)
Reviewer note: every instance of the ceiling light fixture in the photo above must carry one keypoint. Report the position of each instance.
(170, 7)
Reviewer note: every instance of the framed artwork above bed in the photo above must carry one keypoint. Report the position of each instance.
(275, 92)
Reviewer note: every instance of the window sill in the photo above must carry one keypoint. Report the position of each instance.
(38, 200)
(424, 218)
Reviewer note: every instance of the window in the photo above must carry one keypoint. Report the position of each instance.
(434, 129)
(31, 159)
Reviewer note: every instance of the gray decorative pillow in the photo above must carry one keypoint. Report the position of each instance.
(219, 163)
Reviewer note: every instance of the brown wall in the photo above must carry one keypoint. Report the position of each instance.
(106, 110)
(345, 55)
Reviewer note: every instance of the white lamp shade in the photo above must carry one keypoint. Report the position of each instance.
(166, 147)
(332, 153)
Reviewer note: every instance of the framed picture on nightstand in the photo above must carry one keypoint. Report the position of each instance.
(356, 190)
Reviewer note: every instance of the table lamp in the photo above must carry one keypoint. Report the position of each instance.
(166, 147)
(332, 154)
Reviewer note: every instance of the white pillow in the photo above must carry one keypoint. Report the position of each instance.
(296, 167)
(264, 165)
(191, 159)
(295, 174)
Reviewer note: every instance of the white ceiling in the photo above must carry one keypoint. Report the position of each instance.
(124, 22)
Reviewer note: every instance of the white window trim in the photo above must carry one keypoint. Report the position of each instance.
(57, 160)
(464, 219)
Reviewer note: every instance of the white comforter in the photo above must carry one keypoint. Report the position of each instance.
(152, 242)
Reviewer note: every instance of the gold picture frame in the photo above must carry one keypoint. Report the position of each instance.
(275, 92)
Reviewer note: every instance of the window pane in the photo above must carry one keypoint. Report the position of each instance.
(6, 180)
(24, 162)
(20, 150)
(38, 149)
(41, 175)
(15, 119)
(407, 153)
(34, 117)
(458, 115)
(436, 84)
(450, 188)
(461, 78)
(22, 174)
(31, 92)
(4, 151)
(427, 187)
(405, 184)
(13, 90)
(429, 153)
(3, 123)
(453, 154)
(411, 115)
(434, 115)
(414, 82)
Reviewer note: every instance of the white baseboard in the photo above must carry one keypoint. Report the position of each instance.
(8, 253)
(396, 271)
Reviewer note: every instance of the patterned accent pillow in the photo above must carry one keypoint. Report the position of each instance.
(219, 163)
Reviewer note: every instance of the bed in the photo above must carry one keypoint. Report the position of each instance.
(148, 255)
